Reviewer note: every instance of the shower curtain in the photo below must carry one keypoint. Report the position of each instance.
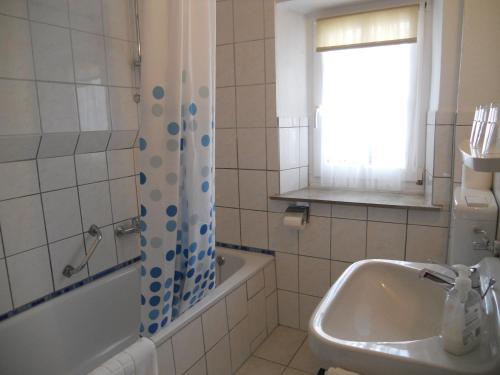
(176, 158)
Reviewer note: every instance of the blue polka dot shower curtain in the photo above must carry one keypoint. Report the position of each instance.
(176, 158)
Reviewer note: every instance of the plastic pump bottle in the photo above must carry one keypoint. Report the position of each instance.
(461, 329)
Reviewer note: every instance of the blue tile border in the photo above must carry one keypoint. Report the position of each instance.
(245, 248)
(67, 289)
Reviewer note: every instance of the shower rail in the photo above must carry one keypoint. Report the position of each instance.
(94, 231)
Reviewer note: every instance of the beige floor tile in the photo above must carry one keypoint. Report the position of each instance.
(257, 366)
(306, 361)
(281, 345)
(292, 371)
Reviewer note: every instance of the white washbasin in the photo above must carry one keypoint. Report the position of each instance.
(381, 318)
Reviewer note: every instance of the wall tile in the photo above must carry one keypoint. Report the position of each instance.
(441, 193)
(272, 148)
(303, 177)
(336, 270)
(248, 20)
(251, 106)
(225, 65)
(199, 368)
(93, 141)
(105, 254)
(30, 275)
(22, 224)
(289, 180)
(94, 108)
(252, 148)
(288, 308)
(389, 215)
(226, 192)
(120, 163)
(21, 147)
(14, 8)
(303, 146)
(127, 247)
(118, 19)
(256, 315)
(348, 240)
(236, 304)
(62, 214)
(287, 272)
(269, 18)
(188, 346)
(255, 284)
(123, 109)
(218, 358)
(86, 17)
(225, 152)
(314, 240)
(386, 241)
(282, 238)
(123, 198)
(253, 189)
(122, 139)
(307, 305)
(271, 119)
(270, 278)
(52, 53)
(18, 179)
(228, 225)
(240, 345)
(225, 112)
(429, 217)
(58, 109)
(54, 12)
(166, 358)
(5, 297)
(119, 62)
(443, 148)
(254, 229)
(250, 63)
(314, 276)
(89, 57)
(18, 108)
(15, 44)
(95, 204)
(224, 16)
(321, 209)
(270, 61)
(91, 167)
(214, 324)
(426, 243)
(289, 148)
(57, 144)
(272, 311)
(56, 173)
(70, 251)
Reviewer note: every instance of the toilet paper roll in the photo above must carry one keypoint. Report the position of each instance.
(294, 220)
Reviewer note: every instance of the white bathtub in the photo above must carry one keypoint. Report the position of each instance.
(239, 266)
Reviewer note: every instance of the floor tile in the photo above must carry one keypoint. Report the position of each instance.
(281, 345)
(292, 371)
(257, 366)
(306, 361)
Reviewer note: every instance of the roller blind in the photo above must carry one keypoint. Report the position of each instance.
(380, 27)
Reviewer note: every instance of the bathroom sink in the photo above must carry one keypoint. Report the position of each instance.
(381, 318)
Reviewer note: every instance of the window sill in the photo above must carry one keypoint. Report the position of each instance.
(358, 198)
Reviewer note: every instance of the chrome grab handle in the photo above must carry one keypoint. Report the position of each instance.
(94, 231)
(133, 227)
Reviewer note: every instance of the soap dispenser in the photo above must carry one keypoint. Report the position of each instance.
(461, 327)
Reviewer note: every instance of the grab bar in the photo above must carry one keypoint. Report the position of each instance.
(94, 231)
(133, 227)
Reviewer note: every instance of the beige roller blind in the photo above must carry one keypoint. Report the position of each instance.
(380, 27)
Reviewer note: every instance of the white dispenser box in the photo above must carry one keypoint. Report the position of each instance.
(473, 221)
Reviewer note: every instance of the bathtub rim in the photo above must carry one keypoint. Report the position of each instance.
(253, 263)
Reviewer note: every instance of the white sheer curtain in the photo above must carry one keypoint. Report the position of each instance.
(371, 108)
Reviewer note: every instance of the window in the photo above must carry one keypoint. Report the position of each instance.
(370, 86)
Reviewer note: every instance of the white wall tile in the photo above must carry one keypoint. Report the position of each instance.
(119, 60)
(287, 271)
(321, 209)
(20, 147)
(92, 141)
(18, 108)
(386, 240)
(14, 8)
(253, 189)
(228, 225)
(249, 63)
(289, 180)
(54, 12)
(270, 61)
(62, 214)
(118, 19)
(226, 192)
(437, 218)
(105, 254)
(303, 146)
(314, 276)
(22, 224)
(240, 344)
(127, 247)
(425, 243)
(307, 306)
(94, 108)
(270, 278)
(214, 324)
(389, 215)
(166, 359)
(224, 33)
(288, 308)
(58, 109)
(248, 20)
(303, 177)
(348, 240)
(314, 239)
(57, 173)
(95, 204)
(52, 53)
(271, 119)
(256, 315)
(289, 148)
(272, 144)
(255, 284)
(30, 275)
(18, 179)
(251, 106)
(443, 148)
(123, 198)
(225, 152)
(199, 368)
(441, 192)
(86, 16)
(346, 211)
(89, 57)
(5, 297)
(272, 311)
(252, 148)
(236, 304)
(91, 167)
(70, 251)
(225, 65)
(269, 18)
(219, 358)
(122, 139)
(225, 112)
(15, 44)
(254, 229)
(257, 342)
(282, 238)
(57, 144)
(188, 346)
(120, 163)
(336, 270)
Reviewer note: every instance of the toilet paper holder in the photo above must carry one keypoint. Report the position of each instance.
(299, 209)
